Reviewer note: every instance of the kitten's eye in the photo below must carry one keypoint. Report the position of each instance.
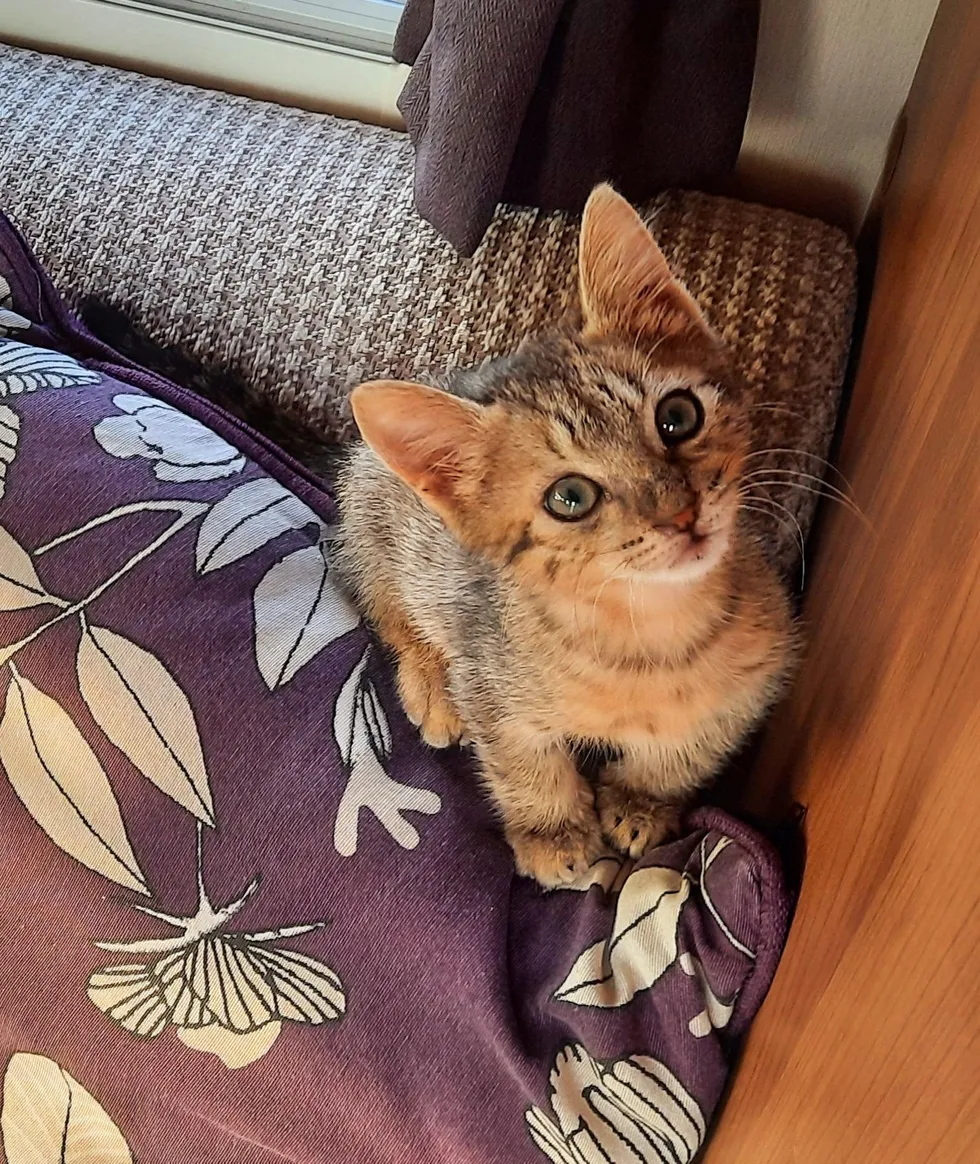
(571, 498)
(679, 417)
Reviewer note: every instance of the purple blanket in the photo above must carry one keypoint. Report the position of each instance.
(247, 916)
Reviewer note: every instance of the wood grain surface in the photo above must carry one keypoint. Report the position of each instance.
(868, 1048)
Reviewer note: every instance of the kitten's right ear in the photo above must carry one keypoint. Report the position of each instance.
(626, 286)
(427, 437)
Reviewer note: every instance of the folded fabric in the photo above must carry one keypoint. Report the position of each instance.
(534, 102)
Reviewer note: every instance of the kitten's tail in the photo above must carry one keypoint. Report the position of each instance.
(115, 329)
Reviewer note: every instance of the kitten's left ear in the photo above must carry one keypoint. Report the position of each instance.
(627, 289)
(427, 437)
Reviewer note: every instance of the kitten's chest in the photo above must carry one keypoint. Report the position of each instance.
(616, 704)
(627, 705)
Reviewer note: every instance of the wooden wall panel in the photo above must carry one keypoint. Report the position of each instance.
(868, 1048)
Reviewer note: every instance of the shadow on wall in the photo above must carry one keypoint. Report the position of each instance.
(831, 80)
(775, 181)
(784, 66)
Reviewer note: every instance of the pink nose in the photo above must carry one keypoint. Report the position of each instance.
(683, 520)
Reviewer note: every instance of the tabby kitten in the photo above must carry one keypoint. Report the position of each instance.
(556, 555)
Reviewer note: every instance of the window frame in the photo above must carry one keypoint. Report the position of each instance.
(360, 26)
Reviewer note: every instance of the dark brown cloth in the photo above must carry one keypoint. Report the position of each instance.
(535, 101)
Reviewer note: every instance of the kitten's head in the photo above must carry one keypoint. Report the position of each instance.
(617, 448)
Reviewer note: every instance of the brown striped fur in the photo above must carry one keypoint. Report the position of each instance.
(637, 628)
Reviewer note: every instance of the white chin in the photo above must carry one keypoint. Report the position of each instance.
(694, 562)
(691, 569)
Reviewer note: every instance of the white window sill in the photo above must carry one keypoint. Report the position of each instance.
(211, 54)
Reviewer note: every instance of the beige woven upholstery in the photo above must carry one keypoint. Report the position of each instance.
(284, 244)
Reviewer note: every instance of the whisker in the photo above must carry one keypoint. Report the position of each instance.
(775, 516)
(777, 483)
(639, 557)
(802, 453)
(769, 406)
(826, 490)
(798, 475)
(799, 529)
(575, 590)
(615, 550)
(801, 389)
(595, 611)
(636, 633)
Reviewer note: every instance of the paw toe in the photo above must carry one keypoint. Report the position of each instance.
(633, 824)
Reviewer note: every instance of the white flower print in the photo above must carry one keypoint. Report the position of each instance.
(707, 860)
(717, 1011)
(246, 519)
(132, 696)
(609, 871)
(360, 727)
(298, 609)
(643, 941)
(26, 369)
(181, 448)
(298, 612)
(9, 319)
(641, 946)
(227, 993)
(631, 1111)
(9, 437)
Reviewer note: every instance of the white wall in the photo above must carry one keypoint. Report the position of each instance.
(831, 79)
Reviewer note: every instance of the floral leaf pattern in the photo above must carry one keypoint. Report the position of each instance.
(9, 319)
(49, 1118)
(137, 703)
(608, 871)
(230, 981)
(633, 1109)
(247, 518)
(363, 736)
(717, 1012)
(226, 992)
(642, 945)
(26, 369)
(179, 447)
(707, 860)
(20, 587)
(298, 612)
(61, 783)
(233, 1049)
(549, 1138)
(9, 436)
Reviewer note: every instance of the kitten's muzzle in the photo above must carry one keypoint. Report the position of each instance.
(683, 521)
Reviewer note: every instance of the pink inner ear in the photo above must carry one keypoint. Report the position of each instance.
(626, 284)
(425, 436)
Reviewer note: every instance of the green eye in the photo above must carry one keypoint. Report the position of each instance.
(571, 498)
(679, 417)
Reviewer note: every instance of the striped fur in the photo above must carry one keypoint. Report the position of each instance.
(663, 639)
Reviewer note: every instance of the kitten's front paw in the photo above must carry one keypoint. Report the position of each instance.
(633, 822)
(441, 727)
(428, 707)
(560, 857)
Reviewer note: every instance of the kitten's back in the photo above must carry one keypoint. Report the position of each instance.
(221, 386)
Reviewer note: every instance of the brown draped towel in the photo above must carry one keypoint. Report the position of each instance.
(535, 101)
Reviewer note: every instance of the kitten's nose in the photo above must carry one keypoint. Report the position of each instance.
(683, 520)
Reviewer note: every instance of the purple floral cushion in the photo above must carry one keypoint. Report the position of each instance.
(247, 915)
